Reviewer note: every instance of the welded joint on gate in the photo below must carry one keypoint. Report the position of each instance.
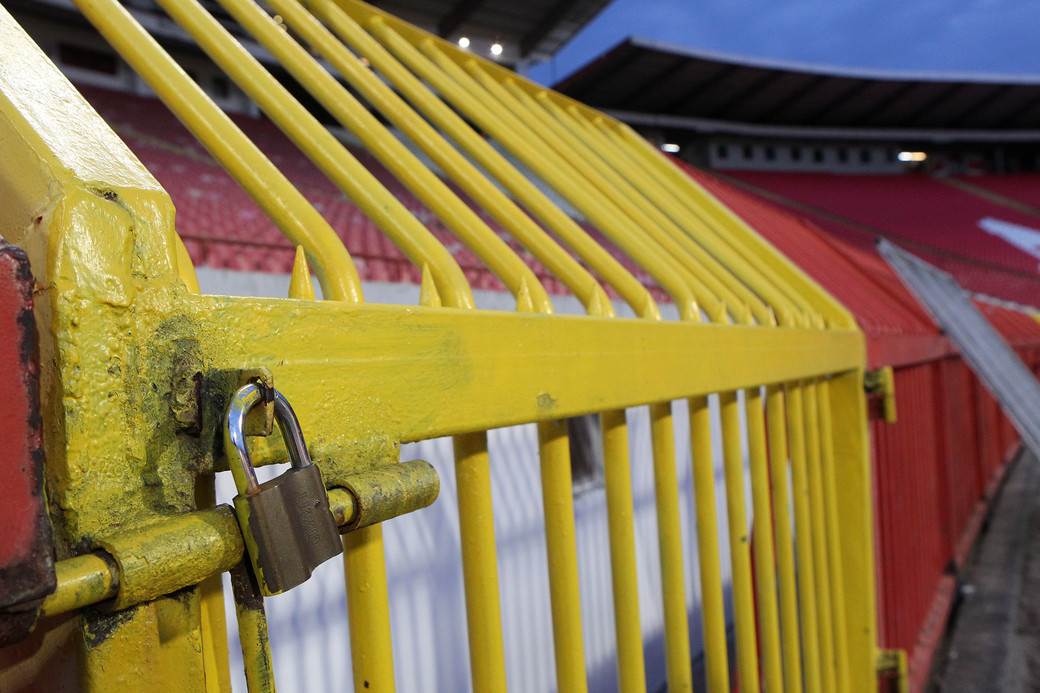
(880, 386)
(893, 666)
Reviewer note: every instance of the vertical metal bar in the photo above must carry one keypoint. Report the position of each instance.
(480, 569)
(427, 187)
(252, 630)
(762, 543)
(368, 608)
(787, 273)
(481, 151)
(561, 540)
(778, 466)
(669, 532)
(740, 554)
(712, 608)
(211, 604)
(704, 222)
(830, 495)
(853, 486)
(818, 538)
(725, 267)
(213, 620)
(519, 139)
(273, 192)
(368, 602)
(807, 595)
(625, 582)
(506, 212)
(648, 223)
(323, 149)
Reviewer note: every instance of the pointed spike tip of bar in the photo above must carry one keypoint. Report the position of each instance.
(428, 295)
(600, 304)
(300, 285)
(185, 267)
(524, 302)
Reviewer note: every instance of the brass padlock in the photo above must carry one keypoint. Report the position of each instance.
(286, 522)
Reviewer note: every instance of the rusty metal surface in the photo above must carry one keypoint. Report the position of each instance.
(26, 548)
(388, 491)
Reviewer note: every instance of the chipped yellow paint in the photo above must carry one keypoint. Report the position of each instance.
(138, 555)
(99, 231)
(381, 493)
(81, 581)
(252, 630)
(172, 552)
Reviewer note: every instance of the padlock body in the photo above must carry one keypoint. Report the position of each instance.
(288, 527)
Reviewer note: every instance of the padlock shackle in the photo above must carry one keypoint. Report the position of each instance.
(239, 461)
(292, 434)
(247, 397)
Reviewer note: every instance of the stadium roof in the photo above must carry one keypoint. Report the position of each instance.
(537, 28)
(653, 84)
(531, 30)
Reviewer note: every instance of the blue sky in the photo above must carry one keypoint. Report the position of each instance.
(996, 37)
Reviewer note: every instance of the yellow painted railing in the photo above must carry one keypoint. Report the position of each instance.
(123, 325)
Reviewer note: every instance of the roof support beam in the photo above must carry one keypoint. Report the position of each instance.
(458, 16)
(1018, 113)
(880, 107)
(736, 97)
(699, 87)
(793, 97)
(638, 93)
(850, 88)
(914, 117)
(980, 104)
(546, 24)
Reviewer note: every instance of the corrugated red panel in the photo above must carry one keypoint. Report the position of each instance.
(910, 470)
(940, 222)
(937, 466)
(1016, 326)
(898, 329)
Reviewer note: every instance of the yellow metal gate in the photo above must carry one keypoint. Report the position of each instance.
(138, 367)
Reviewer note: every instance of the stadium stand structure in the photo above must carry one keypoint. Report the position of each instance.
(949, 441)
(944, 165)
(965, 233)
(936, 464)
